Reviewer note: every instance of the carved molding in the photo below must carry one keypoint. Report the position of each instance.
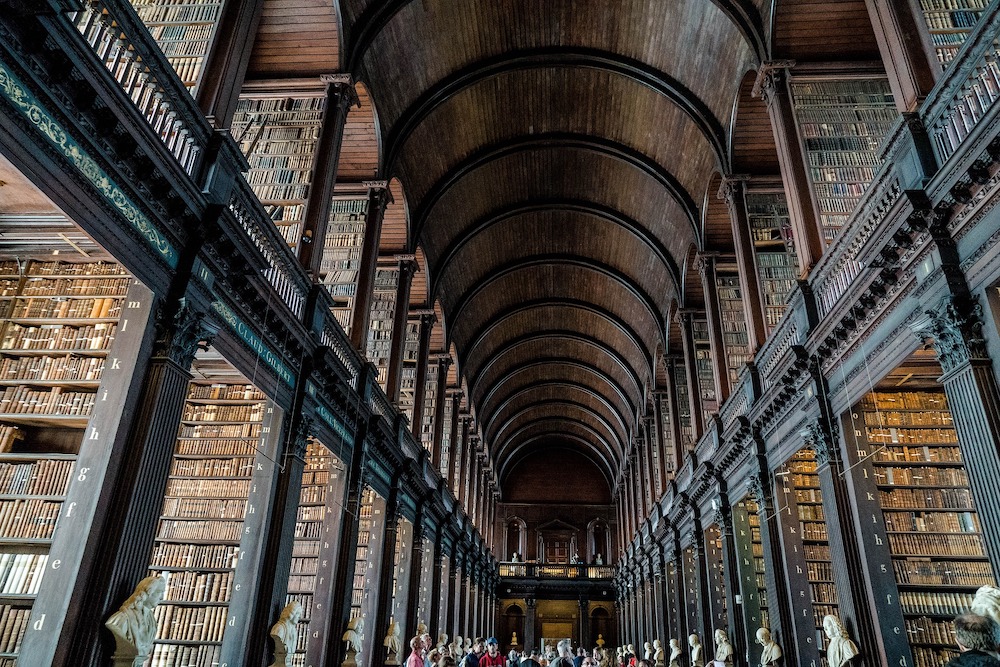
(770, 78)
(181, 336)
(954, 330)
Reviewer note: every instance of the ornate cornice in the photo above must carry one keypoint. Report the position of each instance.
(954, 330)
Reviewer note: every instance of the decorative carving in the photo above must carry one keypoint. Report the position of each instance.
(300, 439)
(770, 79)
(722, 518)
(755, 487)
(822, 442)
(955, 329)
(181, 335)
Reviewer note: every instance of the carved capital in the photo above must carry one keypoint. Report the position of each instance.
(823, 442)
(300, 439)
(955, 330)
(771, 79)
(731, 189)
(723, 519)
(181, 334)
(757, 491)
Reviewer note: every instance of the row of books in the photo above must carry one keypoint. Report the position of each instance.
(183, 623)
(927, 498)
(932, 454)
(13, 623)
(58, 337)
(56, 401)
(194, 556)
(21, 574)
(920, 603)
(814, 531)
(905, 400)
(173, 655)
(210, 430)
(199, 586)
(947, 20)
(45, 308)
(209, 412)
(924, 630)
(820, 571)
(212, 467)
(50, 368)
(938, 573)
(62, 287)
(201, 508)
(311, 513)
(43, 477)
(225, 392)
(923, 476)
(926, 435)
(937, 522)
(924, 417)
(948, 544)
(84, 269)
(28, 518)
(182, 488)
(214, 447)
(217, 531)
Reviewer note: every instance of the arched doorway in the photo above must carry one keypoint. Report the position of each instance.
(601, 627)
(511, 625)
(515, 540)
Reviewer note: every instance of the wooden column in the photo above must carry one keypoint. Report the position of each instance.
(706, 267)
(659, 435)
(906, 49)
(686, 319)
(400, 317)
(530, 641)
(435, 627)
(416, 567)
(659, 615)
(772, 85)
(463, 596)
(456, 439)
(451, 625)
(378, 199)
(443, 363)
(739, 634)
(733, 191)
(226, 64)
(427, 319)
(676, 586)
(340, 97)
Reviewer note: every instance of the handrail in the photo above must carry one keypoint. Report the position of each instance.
(123, 43)
(518, 570)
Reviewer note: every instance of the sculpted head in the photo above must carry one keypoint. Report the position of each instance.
(763, 636)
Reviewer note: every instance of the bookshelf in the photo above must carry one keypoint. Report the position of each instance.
(408, 376)
(935, 543)
(341, 259)
(278, 136)
(425, 583)
(401, 563)
(949, 23)
(774, 251)
(683, 406)
(429, 407)
(665, 448)
(705, 368)
(198, 541)
(184, 31)
(690, 568)
(368, 555)
(57, 322)
(449, 408)
(715, 561)
(801, 491)
(751, 570)
(735, 338)
(379, 347)
(842, 123)
(315, 499)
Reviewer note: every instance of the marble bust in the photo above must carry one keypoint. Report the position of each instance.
(841, 649)
(134, 626)
(723, 648)
(771, 653)
(697, 651)
(675, 653)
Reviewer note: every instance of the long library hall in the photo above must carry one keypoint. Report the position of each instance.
(351, 333)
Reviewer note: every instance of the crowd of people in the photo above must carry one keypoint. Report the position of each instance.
(486, 653)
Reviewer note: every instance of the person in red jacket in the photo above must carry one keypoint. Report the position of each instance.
(492, 657)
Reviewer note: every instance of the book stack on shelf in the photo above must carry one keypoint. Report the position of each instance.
(734, 323)
(197, 544)
(58, 321)
(366, 525)
(759, 567)
(341, 261)
(774, 251)
(949, 23)
(408, 373)
(842, 123)
(938, 555)
(690, 568)
(446, 436)
(800, 474)
(429, 407)
(401, 579)
(278, 136)
(715, 559)
(313, 501)
(705, 368)
(665, 449)
(683, 406)
(184, 30)
(383, 310)
(426, 580)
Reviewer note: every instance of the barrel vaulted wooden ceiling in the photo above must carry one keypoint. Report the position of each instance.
(557, 159)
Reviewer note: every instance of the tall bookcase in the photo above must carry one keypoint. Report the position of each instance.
(716, 572)
(408, 373)
(425, 583)
(842, 123)
(804, 509)
(735, 338)
(774, 251)
(933, 534)
(429, 407)
(949, 23)
(665, 448)
(690, 568)
(278, 134)
(314, 515)
(446, 436)
(204, 516)
(57, 322)
(752, 574)
(368, 555)
(345, 234)
(401, 563)
(683, 406)
(705, 368)
(184, 31)
(383, 310)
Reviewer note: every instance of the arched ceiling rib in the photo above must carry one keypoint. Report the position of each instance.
(555, 158)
